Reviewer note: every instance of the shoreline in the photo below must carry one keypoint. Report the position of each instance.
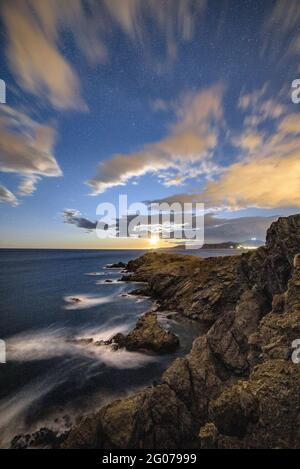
(225, 392)
(50, 436)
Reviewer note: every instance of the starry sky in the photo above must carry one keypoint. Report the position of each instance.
(173, 100)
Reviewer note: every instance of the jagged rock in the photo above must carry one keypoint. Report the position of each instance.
(196, 378)
(270, 267)
(278, 303)
(264, 411)
(292, 296)
(148, 335)
(208, 436)
(85, 435)
(43, 438)
(228, 337)
(118, 265)
(149, 419)
(196, 288)
(276, 332)
(98, 343)
(251, 303)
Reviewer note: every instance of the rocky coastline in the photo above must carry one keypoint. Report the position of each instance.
(238, 387)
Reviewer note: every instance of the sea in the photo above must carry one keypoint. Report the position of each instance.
(52, 375)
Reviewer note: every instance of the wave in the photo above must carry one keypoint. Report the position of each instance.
(110, 282)
(14, 409)
(44, 345)
(85, 301)
(95, 273)
(132, 296)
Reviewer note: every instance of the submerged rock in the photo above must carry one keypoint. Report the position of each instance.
(118, 265)
(75, 300)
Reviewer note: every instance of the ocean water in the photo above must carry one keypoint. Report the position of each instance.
(51, 376)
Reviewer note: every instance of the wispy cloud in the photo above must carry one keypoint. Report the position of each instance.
(32, 50)
(281, 36)
(7, 196)
(270, 182)
(175, 19)
(184, 152)
(34, 36)
(28, 185)
(26, 146)
(72, 216)
(26, 149)
(236, 229)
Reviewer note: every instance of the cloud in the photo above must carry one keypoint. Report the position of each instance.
(33, 32)
(266, 171)
(34, 36)
(28, 185)
(26, 146)
(216, 229)
(7, 196)
(285, 16)
(259, 107)
(250, 140)
(186, 148)
(271, 182)
(159, 105)
(26, 149)
(236, 229)
(290, 124)
(177, 19)
(73, 217)
(280, 31)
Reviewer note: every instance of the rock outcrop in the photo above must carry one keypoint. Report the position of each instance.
(43, 438)
(148, 334)
(118, 265)
(197, 288)
(238, 387)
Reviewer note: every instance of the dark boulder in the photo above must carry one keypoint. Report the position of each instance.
(148, 335)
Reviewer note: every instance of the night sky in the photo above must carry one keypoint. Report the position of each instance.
(156, 99)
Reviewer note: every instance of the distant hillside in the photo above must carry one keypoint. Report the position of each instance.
(253, 243)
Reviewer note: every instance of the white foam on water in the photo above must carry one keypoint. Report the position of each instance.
(138, 299)
(13, 409)
(113, 269)
(111, 282)
(95, 273)
(122, 359)
(85, 301)
(105, 332)
(42, 345)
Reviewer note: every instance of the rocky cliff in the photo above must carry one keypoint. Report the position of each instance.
(238, 387)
